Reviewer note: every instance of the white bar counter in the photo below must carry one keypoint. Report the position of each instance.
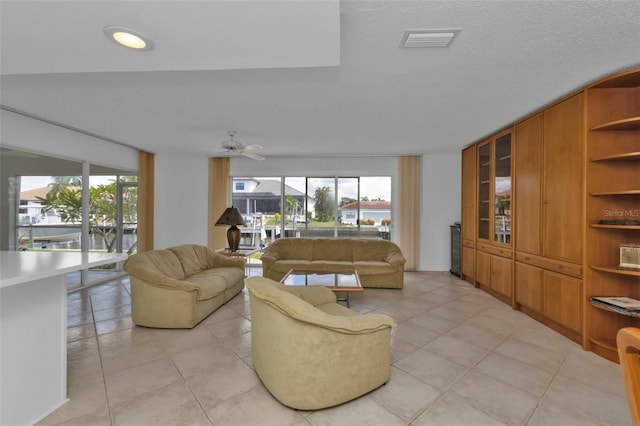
(33, 330)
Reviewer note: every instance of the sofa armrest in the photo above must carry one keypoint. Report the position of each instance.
(217, 260)
(355, 324)
(395, 258)
(268, 260)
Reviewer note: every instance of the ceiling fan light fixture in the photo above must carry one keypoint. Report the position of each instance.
(127, 37)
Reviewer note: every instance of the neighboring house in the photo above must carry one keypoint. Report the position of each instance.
(30, 210)
(252, 196)
(376, 210)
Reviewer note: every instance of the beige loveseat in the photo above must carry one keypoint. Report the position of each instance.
(180, 286)
(379, 263)
(309, 351)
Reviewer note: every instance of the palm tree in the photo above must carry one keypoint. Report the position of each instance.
(325, 209)
(58, 183)
(292, 205)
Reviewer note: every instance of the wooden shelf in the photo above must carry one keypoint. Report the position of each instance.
(627, 156)
(601, 225)
(626, 192)
(632, 123)
(615, 270)
(623, 312)
(605, 343)
(506, 157)
(629, 79)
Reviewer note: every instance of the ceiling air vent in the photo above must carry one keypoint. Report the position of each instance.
(429, 38)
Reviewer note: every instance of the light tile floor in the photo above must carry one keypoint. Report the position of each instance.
(459, 357)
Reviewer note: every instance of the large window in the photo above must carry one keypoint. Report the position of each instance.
(295, 206)
(47, 210)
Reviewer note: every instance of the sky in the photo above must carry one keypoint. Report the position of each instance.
(28, 183)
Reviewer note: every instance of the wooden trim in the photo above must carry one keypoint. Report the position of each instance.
(219, 197)
(410, 184)
(146, 200)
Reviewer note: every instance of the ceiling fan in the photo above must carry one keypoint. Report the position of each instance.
(233, 147)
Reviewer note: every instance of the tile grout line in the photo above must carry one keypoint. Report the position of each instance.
(104, 378)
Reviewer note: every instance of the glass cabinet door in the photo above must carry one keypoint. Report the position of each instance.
(484, 189)
(502, 190)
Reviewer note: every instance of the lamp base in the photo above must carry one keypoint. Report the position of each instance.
(233, 237)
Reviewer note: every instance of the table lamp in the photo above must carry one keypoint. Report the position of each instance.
(231, 216)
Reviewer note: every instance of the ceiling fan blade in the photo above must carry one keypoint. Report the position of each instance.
(251, 147)
(251, 155)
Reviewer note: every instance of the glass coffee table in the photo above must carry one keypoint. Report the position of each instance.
(345, 282)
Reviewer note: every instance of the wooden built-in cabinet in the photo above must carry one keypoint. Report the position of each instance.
(548, 189)
(553, 242)
(612, 203)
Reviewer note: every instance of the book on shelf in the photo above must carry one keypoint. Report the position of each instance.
(622, 304)
(630, 256)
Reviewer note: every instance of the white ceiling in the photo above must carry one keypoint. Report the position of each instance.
(305, 77)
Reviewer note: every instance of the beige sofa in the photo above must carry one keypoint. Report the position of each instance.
(309, 351)
(379, 263)
(180, 286)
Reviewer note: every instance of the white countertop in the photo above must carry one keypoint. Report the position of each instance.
(17, 267)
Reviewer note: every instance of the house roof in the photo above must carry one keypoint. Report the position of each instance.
(31, 194)
(271, 187)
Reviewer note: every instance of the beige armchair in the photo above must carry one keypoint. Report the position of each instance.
(309, 351)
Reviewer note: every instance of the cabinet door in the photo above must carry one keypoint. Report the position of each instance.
(529, 286)
(484, 190)
(563, 180)
(468, 207)
(528, 185)
(468, 264)
(501, 275)
(502, 189)
(483, 268)
(562, 301)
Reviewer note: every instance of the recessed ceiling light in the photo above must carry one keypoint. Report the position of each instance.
(429, 38)
(128, 38)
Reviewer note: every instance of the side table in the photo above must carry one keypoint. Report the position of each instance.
(241, 252)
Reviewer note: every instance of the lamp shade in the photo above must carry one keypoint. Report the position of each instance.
(231, 216)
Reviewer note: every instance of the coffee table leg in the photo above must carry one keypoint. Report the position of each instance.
(345, 299)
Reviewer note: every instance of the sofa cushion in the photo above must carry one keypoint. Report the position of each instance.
(294, 248)
(330, 265)
(150, 264)
(332, 249)
(194, 258)
(209, 285)
(284, 266)
(370, 250)
(373, 268)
